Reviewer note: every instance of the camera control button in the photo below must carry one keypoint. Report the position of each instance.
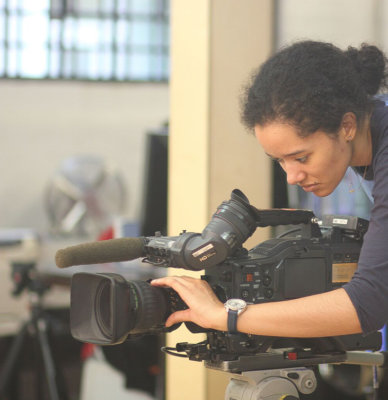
(267, 280)
(268, 293)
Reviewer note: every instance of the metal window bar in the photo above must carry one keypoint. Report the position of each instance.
(123, 40)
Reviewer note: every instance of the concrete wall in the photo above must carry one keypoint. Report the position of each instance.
(344, 23)
(44, 122)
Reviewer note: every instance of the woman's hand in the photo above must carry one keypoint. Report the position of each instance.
(204, 307)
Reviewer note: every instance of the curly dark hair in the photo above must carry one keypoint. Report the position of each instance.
(311, 85)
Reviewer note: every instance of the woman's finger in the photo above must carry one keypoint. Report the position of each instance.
(178, 316)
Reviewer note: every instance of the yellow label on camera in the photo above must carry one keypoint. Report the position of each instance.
(343, 272)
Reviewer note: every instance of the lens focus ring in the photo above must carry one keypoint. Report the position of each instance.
(152, 307)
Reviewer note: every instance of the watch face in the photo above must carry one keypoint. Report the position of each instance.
(236, 304)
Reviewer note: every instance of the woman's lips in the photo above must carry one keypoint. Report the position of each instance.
(309, 188)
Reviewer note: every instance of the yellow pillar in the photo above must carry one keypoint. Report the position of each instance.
(215, 44)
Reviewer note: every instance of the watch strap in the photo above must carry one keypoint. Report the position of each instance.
(232, 321)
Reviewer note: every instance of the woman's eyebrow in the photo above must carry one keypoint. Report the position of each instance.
(294, 153)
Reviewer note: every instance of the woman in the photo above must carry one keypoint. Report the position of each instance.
(311, 108)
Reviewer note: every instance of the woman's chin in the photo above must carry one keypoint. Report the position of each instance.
(322, 192)
(319, 190)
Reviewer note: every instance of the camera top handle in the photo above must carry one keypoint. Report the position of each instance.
(279, 216)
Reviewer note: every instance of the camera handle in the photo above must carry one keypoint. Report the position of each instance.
(284, 384)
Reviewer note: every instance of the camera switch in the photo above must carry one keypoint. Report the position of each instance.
(267, 280)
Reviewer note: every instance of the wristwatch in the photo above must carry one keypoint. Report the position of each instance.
(234, 308)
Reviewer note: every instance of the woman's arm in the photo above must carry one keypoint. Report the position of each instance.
(326, 314)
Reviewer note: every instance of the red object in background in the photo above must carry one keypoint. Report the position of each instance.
(107, 234)
(87, 351)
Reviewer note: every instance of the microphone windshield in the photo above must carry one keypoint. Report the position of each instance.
(105, 251)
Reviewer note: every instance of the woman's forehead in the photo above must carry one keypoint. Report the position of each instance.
(278, 134)
(282, 140)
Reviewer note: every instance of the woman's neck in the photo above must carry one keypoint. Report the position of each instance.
(362, 145)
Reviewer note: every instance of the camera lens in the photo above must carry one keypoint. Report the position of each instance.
(117, 308)
(152, 306)
(102, 307)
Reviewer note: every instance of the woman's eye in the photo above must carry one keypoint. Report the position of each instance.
(302, 159)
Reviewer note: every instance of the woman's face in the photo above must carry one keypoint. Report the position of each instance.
(316, 162)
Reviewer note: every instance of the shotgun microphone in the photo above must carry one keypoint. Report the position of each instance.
(105, 251)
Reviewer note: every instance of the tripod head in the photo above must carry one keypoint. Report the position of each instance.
(270, 377)
(22, 248)
(24, 277)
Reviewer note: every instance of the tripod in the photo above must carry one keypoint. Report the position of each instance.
(36, 327)
(287, 383)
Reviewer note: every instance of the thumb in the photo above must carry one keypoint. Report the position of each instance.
(178, 316)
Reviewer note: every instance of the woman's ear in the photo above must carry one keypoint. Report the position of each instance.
(348, 126)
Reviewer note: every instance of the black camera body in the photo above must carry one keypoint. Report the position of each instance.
(288, 268)
(284, 269)
(307, 260)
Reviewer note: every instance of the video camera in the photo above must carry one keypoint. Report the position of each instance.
(313, 257)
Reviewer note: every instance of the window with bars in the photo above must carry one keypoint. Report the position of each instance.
(120, 40)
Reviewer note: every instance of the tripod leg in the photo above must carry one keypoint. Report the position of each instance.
(12, 358)
(48, 360)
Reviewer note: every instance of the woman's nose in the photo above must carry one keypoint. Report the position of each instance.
(294, 175)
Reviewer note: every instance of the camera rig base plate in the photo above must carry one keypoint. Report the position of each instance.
(289, 358)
